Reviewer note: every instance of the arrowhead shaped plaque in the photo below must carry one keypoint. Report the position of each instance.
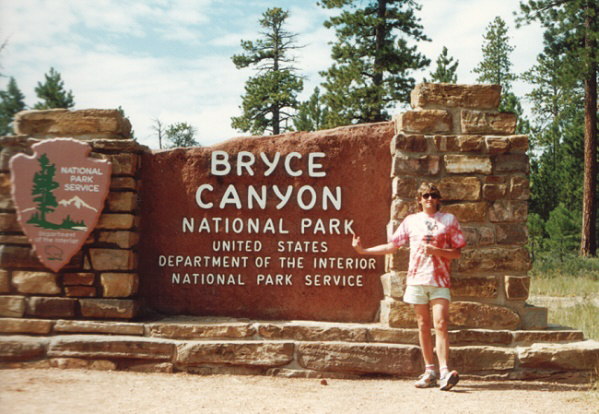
(59, 194)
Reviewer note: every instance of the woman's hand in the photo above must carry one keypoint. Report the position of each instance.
(357, 244)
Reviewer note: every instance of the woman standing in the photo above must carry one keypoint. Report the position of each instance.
(435, 238)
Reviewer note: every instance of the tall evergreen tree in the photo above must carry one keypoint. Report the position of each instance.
(373, 58)
(312, 114)
(11, 102)
(446, 69)
(270, 96)
(52, 92)
(181, 134)
(556, 172)
(576, 24)
(496, 68)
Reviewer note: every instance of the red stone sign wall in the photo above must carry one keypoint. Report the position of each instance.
(261, 227)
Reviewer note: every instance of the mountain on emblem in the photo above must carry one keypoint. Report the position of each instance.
(76, 202)
(59, 193)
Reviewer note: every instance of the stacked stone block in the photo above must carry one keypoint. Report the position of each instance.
(101, 280)
(456, 138)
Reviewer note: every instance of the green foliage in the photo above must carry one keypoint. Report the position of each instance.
(446, 69)
(373, 55)
(556, 134)
(265, 102)
(495, 68)
(536, 233)
(52, 92)
(270, 96)
(181, 134)
(573, 27)
(563, 229)
(69, 223)
(496, 65)
(11, 102)
(571, 277)
(549, 266)
(43, 187)
(312, 114)
(122, 112)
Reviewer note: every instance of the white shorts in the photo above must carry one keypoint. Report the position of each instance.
(422, 295)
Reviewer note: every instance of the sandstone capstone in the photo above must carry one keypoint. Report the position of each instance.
(426, 95)
(83, 124)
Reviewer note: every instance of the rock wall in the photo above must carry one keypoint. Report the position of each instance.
(456, 138)
(101, 281)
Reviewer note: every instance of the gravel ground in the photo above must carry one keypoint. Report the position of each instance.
(82, 391)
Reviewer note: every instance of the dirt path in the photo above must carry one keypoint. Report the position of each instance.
(77, 391)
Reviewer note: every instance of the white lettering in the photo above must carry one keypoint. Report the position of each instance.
(199, 200)
(312, 165)
(245, 160)
(220, 158)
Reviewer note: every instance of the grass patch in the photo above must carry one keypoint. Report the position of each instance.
(574, 276)
(584, 317)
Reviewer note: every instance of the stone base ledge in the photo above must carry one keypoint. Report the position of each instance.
(572, 362)
(210, 328)
(292, 349)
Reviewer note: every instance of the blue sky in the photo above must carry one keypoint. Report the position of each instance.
(171, 59)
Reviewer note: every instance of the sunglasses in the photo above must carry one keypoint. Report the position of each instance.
(434, 196)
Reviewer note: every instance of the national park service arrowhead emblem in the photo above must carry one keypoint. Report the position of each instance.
(59, 194)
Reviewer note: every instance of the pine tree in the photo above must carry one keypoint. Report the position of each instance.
(11, 102)
(52, 92)
(446, 69)
(575, 24)
(536, 233)
(563, 230)
(270, 96)
(373, 55)
(43, 187)
(556, 172)
(496, 68)
(496, 65)
(181, 134)
(312, 114)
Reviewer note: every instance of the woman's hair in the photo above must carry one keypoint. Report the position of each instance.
(430, 188)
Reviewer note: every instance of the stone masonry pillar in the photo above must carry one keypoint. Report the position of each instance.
(456, 138)
(101, 280)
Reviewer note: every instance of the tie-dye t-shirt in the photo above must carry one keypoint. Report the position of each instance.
(441, 230)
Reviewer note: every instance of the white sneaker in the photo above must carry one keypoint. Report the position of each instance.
(447, 381)
(426, 380)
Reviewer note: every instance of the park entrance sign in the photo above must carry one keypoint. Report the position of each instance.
(59, 194)
(262, 227)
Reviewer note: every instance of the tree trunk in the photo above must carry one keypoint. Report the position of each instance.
(380, 34)
(276, 119)
(588, 242)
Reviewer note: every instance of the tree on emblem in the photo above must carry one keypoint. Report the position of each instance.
(43, 186)
(42, 192)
